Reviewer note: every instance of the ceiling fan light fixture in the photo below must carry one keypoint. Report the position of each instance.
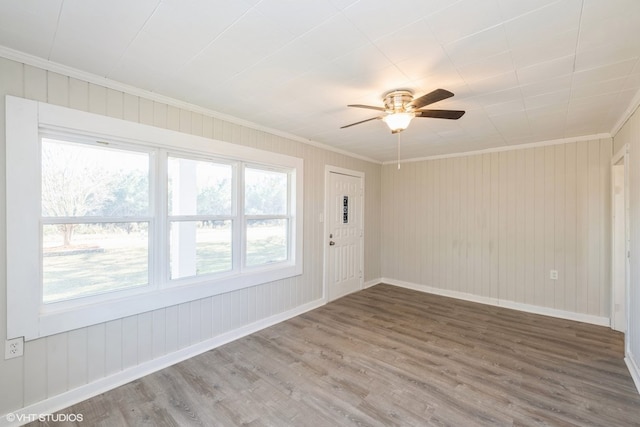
(398, 122)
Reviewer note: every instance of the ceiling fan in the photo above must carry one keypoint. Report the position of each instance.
(400, 108)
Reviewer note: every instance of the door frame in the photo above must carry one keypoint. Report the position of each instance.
(621, 158)
(328, 170)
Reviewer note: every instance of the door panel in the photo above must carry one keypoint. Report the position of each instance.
(344, 227)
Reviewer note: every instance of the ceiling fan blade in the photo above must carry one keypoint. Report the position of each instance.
(363, 121)
(431, 97)
(441, 114)
(370, 107)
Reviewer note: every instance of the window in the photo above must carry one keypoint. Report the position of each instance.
(95, 219)
(111, 218)
(267, 214)
(201, 217)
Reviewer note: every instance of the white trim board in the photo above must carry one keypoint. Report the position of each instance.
(370, 283)
(561, 314)
(634, 370)
(77, 395)
(633, 106)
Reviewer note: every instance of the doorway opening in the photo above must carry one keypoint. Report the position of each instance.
(619, 240)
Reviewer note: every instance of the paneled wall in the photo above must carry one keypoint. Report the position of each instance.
(630, 134)
(494, 225)
(59, 363)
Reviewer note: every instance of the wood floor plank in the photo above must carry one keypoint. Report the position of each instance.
(389, 356)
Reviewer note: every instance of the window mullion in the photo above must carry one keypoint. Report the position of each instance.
(239, 229)
(160, 276)
(93, 220)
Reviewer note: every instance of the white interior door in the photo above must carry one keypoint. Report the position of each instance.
(344, 249)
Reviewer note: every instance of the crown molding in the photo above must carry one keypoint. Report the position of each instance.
(55, 67)
(506, 148)
(633, 106)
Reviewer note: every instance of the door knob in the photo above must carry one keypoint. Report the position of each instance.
(332, 243)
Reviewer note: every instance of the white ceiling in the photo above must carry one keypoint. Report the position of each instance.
(524, 70)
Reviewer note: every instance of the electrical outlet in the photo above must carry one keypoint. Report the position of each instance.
(553, 275)
(13, 348)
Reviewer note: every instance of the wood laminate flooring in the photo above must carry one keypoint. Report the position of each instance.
(388, 356)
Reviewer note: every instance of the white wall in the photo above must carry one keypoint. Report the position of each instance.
(492, 226)
(630, 134)
(64, 362)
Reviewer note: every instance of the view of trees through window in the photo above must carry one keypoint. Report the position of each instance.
(266, 209)
(93, 201)
(97, 213)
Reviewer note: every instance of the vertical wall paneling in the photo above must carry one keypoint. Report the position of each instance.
(159, 333)
(78, 95)
(606, 152)
(529, 229)
(97, 99)
(593, 291)
(57, 366)
(96, 352)
(494, 225)
(161, 116)
(548, 289)
(130, 108)
(509, 244)
(556, 293)
(502, 223)
(77, 353)
(206, 314)
(437, 215)
(113, 346)
(35, 83)
(447, 195)
(35, 372)
(146, 112)
(184, 325)
(145, 337)
(58, 89)
(171, 331)
(115, 104)
(582, 231)
(539, 202)
(463, 239)
(570, 228)
(63, 362)
(130, 341)
(456, 230)
(195, 323)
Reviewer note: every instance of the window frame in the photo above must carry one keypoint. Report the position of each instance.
(26, 122)
(248, 217)
(88, 219)
(233, 217)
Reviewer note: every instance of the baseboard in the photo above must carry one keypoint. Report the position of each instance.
(633, 369)
(77, 395)
(545, 311)
(370, 283)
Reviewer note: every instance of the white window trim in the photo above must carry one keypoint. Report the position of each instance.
(24, 121)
